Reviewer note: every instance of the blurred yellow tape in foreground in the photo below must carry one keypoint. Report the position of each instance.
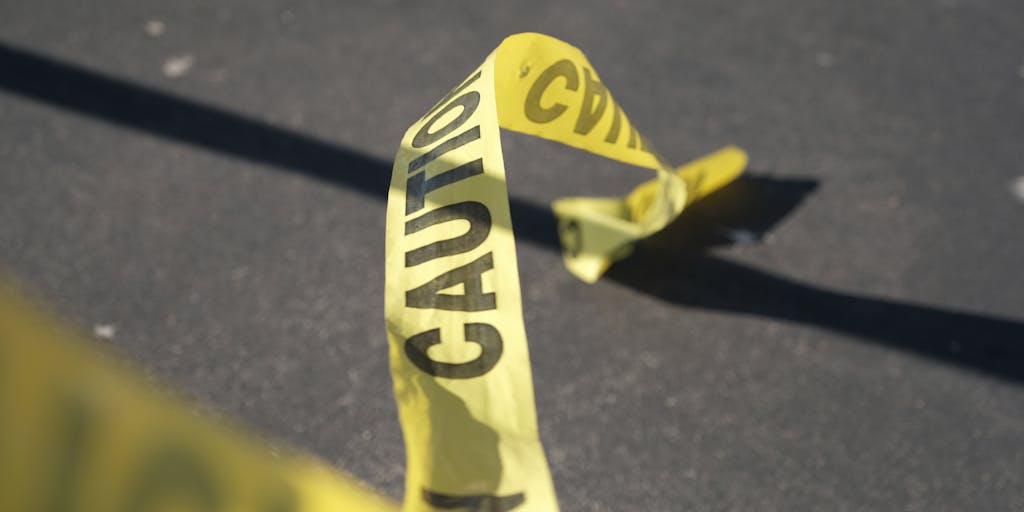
(452, 299)
(81, 433)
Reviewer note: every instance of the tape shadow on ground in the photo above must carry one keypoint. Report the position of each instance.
(687, 273)
(676, 265)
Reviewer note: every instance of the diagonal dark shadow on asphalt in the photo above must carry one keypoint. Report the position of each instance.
(139, 108)
(675, 265)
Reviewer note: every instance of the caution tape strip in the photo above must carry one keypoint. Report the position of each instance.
(453, 308)
(80, 432)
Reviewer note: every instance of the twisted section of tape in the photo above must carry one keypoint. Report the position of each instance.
(452, 297)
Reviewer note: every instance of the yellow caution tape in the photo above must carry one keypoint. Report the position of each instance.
(452, 300)
(81, 433)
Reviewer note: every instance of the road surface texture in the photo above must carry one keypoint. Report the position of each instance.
(202, 184)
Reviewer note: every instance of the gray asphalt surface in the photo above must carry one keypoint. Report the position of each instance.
(213, 193)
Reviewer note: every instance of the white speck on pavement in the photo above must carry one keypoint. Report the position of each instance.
(1017, 187)
(154, 28)
(177, 66)
(104, 331)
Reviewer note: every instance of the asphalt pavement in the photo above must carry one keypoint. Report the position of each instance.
(201, 185)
